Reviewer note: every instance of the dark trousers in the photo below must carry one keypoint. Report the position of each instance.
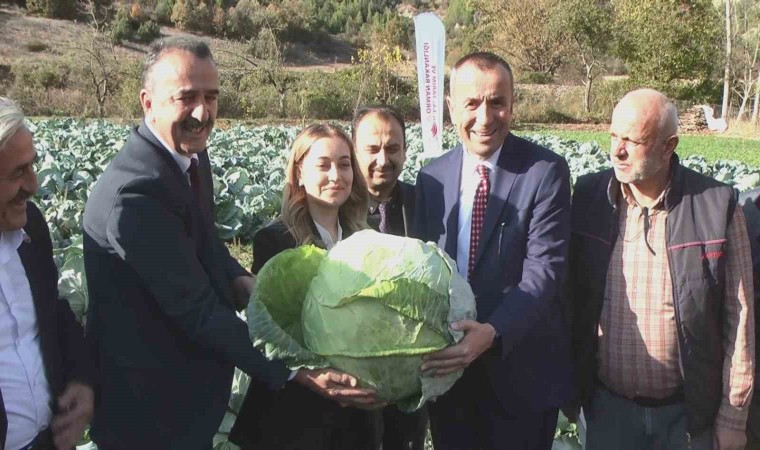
(396, 430)
(470, 417)
(614, 422)
(43, 441)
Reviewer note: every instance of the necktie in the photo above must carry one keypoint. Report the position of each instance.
(195, 180)
(383, 209)
(478, 215)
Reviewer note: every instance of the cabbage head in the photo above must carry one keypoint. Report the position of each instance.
(372, 307)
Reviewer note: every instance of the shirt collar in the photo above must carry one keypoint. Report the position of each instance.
(470, 163)
(10, 241)
(182, 161)
(392, 199)
(326, 237)
(630, 200)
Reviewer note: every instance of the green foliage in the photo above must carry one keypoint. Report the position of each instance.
(608, 93)
(460, 12)
(532, 36)
(126, 96)
(191, 15)
(41, 75)
(163, 11)
(121, 27)
(148, 32)
(133, 25)
(535, 78)
(36, 46)
(54, 9)
(662, 40)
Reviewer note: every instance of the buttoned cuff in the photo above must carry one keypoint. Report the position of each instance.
(731, 417)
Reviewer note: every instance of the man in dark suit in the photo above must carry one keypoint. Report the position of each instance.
(380, 143)
(46, 398)
(163, 287)
(500, 206)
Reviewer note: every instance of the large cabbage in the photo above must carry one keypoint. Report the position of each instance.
(372, 307)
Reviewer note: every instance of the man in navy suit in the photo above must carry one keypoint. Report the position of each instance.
(46, 397)
(163, 287)
(500, 206)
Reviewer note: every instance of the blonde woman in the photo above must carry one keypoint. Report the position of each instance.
(324, 200)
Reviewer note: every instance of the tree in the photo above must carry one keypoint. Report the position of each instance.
(191, 15)
(727, 67)
(265, 60)
(662, 40)
(54, 9)
(528, 31)
(589, 24)
(271, 67)
(460, 12)
(101, 66)
(745, 63)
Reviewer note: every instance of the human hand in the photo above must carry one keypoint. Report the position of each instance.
(478, 337)
(340, 387)
(75, 411)
(242, 288)
(728, 439)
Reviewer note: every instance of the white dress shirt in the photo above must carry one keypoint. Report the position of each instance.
(182, 161)
(26, 394)
(326, 237)
(467, 188)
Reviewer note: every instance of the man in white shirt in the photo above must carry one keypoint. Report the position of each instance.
(500, 205)
(45, 371)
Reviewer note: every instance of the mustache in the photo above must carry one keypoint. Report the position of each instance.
(23, 195)
(192, 123)
(387, 167)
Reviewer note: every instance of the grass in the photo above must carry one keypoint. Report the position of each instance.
(711, 147)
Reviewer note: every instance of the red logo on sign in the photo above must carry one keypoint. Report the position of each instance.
(434, 130)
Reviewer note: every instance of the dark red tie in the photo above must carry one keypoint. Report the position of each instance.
(195, 180)
(478, 215)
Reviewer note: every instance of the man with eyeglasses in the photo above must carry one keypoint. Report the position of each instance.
(660, 283)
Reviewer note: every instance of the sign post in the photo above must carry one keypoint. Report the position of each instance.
(430, 35)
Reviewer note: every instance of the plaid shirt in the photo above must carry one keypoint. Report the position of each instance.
(638, 344)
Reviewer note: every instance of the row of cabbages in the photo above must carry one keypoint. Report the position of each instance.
(248, 176)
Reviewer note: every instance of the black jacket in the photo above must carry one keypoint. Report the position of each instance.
(699, 212)
(295, 418)
(161, 318)
(64, 354)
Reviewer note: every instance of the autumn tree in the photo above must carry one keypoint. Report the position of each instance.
(663, 40)
(589, 25)
(527, 31)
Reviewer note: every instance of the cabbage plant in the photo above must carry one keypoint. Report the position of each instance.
(372, 307)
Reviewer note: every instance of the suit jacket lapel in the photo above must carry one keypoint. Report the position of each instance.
(507, 167)
(26, 252)
(451, 199)
(163, 153)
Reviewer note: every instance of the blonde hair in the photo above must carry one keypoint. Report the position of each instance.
(295, 211)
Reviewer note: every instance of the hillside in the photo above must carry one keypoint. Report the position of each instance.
(27, 37)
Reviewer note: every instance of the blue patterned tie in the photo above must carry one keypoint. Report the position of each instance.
(383, 208)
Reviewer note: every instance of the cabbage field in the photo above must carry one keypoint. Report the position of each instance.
(248, 166)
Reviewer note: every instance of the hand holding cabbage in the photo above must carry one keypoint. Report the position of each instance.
(371, 307)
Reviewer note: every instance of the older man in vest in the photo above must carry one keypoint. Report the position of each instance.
(661, 292)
